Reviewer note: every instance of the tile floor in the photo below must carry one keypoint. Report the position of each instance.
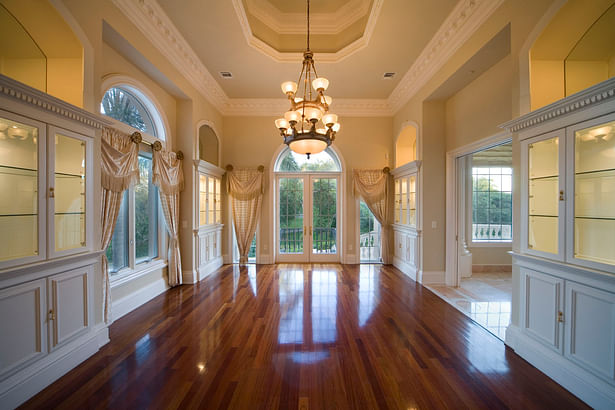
(485, 297)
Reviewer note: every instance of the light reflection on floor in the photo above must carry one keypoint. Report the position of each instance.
(485, 297)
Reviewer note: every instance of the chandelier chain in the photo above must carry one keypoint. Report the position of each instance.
(308, 25)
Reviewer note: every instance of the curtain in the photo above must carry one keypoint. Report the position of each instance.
(119, 171)
(246, 189)
(373, 186)
(168, 176)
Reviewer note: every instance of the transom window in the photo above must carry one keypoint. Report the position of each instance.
(325, 161)
(132, 107)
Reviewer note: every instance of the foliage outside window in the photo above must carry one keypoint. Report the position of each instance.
(322, 162)
(135, 237)
(491, 204)
(124, 106)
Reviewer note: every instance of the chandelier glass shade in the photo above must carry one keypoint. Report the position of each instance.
(308, 127)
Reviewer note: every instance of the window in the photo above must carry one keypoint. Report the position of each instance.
(325, 161)
(210, 211)
(491, 204)
(135, 238)
(369, 240)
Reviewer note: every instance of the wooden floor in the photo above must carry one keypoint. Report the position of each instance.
(302, 337)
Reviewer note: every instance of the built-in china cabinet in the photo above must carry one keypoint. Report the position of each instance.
(208, 234)
(48, 250)
(406, 229)
(565, 267)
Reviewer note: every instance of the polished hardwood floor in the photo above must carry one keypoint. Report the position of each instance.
(302, 337)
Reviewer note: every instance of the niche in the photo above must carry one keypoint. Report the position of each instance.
(405, 147)
(208, 145)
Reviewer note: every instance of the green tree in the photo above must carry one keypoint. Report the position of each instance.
(117, 104)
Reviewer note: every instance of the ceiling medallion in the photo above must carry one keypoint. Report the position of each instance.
(308, 127)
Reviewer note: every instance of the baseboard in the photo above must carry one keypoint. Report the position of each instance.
(409, 270)
(264, 259)
(433, 277)
(129, 303)
(351, 259)
(510, 337)
(189, 277)
(21, 386)
(491, 268)
(207, 269)
(228, 259)
(592, 390)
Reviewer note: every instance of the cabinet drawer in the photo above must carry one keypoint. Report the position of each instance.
(590, 329)
(68, 306)
(541, 307)
(22, 318)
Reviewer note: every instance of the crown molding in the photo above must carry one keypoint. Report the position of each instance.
(27, 95)
(155, 25)
(320, 23)
(280, 57)
(459, 26)
(582, 100)
(461, 23)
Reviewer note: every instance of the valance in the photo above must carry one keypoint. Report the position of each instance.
(120, 159)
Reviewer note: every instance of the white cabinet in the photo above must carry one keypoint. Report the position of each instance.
(566, 260)
(406, 218)
(47, 249)
(69, 311)
(590, 329)
(23, 339)
(542, 299)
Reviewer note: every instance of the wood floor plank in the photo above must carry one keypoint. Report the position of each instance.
(319, 336)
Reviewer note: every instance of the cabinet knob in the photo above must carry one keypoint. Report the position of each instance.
(51, 315)
(560, 316)
(51, 193)
(561, 195)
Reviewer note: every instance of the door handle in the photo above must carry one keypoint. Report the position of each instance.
(304, 230)
(310, 231)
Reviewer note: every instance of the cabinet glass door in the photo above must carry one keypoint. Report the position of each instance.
(404, 201)
(412, 201)
(20, 182)
(210, 200)
(68, 191)
(543, 195)
(218, 202)
(594, 187)
(202, 200)
(397, 200)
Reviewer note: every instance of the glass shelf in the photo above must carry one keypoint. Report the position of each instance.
(546, 177)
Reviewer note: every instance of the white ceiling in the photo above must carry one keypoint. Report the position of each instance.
(413, 38)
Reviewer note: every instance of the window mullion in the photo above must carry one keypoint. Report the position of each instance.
(131, 229)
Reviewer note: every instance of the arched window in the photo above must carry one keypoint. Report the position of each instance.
(130, 106)
(325, 161)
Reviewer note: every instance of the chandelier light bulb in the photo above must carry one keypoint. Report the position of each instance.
(336, 127)
(329, 119)
(320, 84)
(291, 116)
(281, 123)
(289, 87)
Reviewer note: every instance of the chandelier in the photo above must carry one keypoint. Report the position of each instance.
(308, 127)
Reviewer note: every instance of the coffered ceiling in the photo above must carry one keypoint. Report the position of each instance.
(355, 42)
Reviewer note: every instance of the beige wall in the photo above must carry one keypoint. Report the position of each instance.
(252, 141)
(546, 82)
(494, 255)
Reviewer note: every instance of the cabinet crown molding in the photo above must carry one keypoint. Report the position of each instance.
(28, 95)
(582, 100)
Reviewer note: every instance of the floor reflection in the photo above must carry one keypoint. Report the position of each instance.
(291, 307)
(485, 297)
(324, 306)
(369, 295)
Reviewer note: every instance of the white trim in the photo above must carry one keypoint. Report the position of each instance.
(18, 388)
(583, 384)
(147, 98)
(433, 277)
(451, 277)
(127, 275)
(459, 26)
(137, 298)
(502, 244)
(197, 142)
(281, 57)
(320, 23)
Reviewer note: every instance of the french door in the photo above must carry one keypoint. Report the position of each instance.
(307, 218)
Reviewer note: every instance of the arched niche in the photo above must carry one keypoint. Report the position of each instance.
(208, 145)
(573, 52)
(405, 146)
(57, 67)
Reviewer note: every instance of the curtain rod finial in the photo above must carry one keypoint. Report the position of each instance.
(229, 168)
(386, 170)
(136, 137)
(180, 155)
(261, 168)
(157, 146)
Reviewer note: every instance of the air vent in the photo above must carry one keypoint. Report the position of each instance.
(388, 76)
(226, 74)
